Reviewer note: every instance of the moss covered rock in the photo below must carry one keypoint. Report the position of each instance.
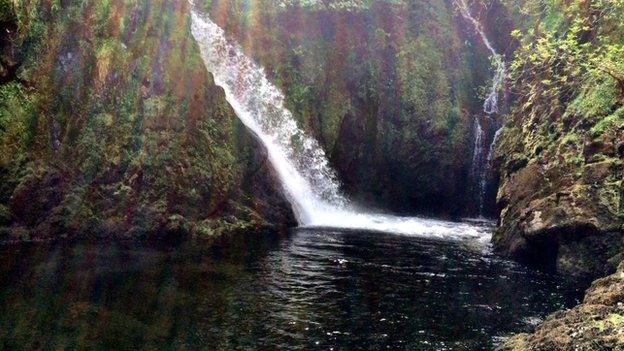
(596, 324)
(113, 127)
(561, 168)
(8, 51)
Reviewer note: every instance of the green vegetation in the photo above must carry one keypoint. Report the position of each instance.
(567, 76)
(7, 12)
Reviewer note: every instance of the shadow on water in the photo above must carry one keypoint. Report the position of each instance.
(315, 289)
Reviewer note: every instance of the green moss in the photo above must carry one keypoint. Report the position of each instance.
(611, 321)
(613, 121)
(596, 100)
(570, 139)
(570, 149)
(616, 319)
(609, 197)
(18, 121)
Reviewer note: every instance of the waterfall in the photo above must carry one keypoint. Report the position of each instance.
(490, 105)
(493, 145)
(307, 180)
(477, 156)
(481, 166)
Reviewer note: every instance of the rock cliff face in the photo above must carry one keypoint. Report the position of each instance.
(111, 126)
(560, 193)
(560, 156)
(561, 163)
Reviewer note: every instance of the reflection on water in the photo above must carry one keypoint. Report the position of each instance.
(316, 289)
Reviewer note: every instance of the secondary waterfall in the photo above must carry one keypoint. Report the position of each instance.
(479, 171)
(481, 166)
(490, 105)
(493, 144)
(304, 172)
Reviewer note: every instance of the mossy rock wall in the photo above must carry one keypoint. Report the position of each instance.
(596, 324)
(561, 153)
(114, 127)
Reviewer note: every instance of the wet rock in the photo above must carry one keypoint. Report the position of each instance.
(515, 164)
(570, 231)
(596, 324)
(592, 255)
(597, 148)
(562, 211)
(597, 172)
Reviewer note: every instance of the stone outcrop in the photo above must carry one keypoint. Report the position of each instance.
(560, 193)
(568, 227)
(596, 324)
(561, 168)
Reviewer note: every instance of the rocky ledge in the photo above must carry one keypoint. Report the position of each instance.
(596, 324)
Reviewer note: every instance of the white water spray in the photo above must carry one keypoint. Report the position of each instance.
(307, 179)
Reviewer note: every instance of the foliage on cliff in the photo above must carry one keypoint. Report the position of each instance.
(562, 151)
(387, 87)
(113, 127)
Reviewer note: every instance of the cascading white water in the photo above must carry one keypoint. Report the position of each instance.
(477, 156)
(490, 105)
(493, 145)
(300, 162)
(301, 165)
(479, 171)
(481, 166)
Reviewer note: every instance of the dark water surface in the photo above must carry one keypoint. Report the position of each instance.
(315, 289)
